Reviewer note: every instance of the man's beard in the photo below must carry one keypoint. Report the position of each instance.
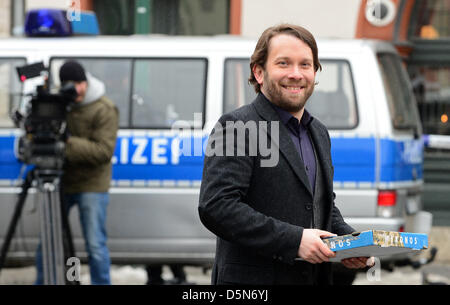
(291, 104)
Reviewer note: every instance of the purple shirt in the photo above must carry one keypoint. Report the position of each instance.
(300, 137)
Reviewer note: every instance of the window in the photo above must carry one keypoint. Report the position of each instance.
(333, 101)
(150, 93)
(172, 17)
(237, 91)
(431, 86)
(190, 17)
(10, 88)
(167, 90)
(114, 73)
(401, 101)
(431, 20)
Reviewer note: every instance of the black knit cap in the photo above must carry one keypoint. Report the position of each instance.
(72, 71)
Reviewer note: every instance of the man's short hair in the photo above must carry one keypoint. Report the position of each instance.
(260, 54)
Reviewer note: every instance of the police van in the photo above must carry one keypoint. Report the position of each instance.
(170, 92)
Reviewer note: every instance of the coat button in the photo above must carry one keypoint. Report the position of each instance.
(308, 207)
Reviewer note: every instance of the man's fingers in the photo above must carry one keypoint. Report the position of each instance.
(370, 261)
(323, 233)
(321, 256)
(355, 262)
(348, 262)
(312, 260)
(363, 261)
(326, 251)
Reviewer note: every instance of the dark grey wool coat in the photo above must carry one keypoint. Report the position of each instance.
(258, 213)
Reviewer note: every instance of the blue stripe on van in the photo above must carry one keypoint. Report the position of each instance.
(353, 159)
(154, 158)
(401, 160)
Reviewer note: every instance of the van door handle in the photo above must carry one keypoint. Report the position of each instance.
(138, 99)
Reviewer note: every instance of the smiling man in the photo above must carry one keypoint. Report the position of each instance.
(287, 76)
(269, 221)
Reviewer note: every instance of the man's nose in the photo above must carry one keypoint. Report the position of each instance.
(295, 72)
(78, 88)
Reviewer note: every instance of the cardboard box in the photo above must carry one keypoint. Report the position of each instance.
(375, 243)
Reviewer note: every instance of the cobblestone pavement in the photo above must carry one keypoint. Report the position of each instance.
(136, 275)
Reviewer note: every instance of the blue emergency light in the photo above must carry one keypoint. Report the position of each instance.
(58, 23)
(47, 22)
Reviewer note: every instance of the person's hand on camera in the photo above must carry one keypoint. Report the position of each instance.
(312, 249)
(65, 136)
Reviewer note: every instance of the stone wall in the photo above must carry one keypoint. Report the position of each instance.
(5, 17)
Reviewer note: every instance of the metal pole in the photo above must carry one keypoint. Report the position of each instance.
(57, 234)
(51, 234)
(142, 15)
(45, 219)
(17, 17)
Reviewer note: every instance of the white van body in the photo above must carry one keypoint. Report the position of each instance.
(152, 216)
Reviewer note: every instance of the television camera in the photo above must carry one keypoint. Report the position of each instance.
(44, 126)
(42, 145)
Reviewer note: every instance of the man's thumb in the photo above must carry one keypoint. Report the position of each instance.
(325, 233)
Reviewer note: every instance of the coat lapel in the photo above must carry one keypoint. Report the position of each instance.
(286, 146)
(322, 152)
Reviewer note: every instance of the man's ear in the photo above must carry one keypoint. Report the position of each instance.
(258, 72)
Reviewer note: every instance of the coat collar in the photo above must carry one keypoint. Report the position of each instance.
(287, 148)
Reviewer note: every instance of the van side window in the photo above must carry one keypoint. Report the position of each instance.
(333, 101)
(10, 88)
(114, 73)
(167, 90)
(402, 105)
(237, 91)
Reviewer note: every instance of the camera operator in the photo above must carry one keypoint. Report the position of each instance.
(92, 124)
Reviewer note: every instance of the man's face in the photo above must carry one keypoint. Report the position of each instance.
(289, 75)
(81, 88)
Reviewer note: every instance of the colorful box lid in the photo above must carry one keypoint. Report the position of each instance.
(375, 243)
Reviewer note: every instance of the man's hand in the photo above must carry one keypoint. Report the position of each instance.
(312, 249)
(358, 262)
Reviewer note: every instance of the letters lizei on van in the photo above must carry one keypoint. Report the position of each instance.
(250, 139)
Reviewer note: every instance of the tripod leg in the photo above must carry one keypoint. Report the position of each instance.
(69, 248)
(17, 212)
(51, 234)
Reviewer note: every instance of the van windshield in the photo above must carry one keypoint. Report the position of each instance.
(402, 106)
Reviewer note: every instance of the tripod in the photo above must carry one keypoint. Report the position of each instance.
(55, 228)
